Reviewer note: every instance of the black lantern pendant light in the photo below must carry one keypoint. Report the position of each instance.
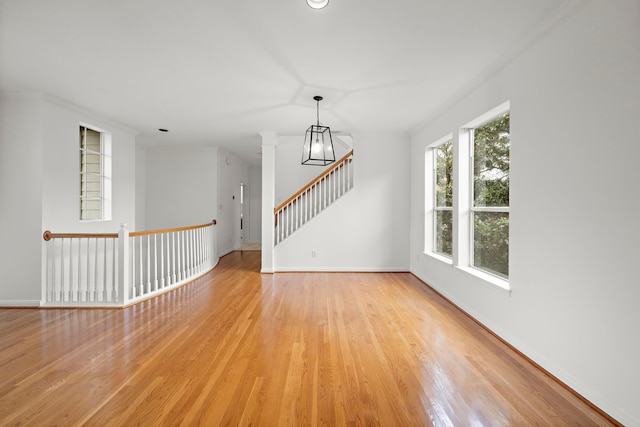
(318, 145)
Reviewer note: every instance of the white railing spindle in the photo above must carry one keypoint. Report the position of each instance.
(82, 270)
(313, 199)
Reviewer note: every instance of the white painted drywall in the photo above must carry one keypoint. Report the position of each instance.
(291, 175)
(182, 186)
(141, 187)
(21, 176)
(254, 193)
(61, 200)
(39, 182)
(575, 206)
(367, 229)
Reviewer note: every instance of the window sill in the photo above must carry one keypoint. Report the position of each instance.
(486, 279)
(491, 281)
(439, 257)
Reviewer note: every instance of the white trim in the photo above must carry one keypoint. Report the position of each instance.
(403, 269)
(20, 303)
(554, 369)
(441, 141)
(497, 209)
(440, 257)
(469, 129)
(104, 176)
(490, 115)
(431, 207)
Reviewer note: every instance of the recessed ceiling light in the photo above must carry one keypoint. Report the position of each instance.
(317, 4)
(163, 130)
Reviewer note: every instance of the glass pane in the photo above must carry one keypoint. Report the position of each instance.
(90, 176)
(491, 163)
(93, 140)
(491, 242)
(444, 232)
(444, 174)
(91, 209)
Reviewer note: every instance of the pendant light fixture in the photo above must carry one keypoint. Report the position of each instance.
(317, 4)
(318, 145)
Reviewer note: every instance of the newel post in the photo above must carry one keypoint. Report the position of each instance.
(123, 264)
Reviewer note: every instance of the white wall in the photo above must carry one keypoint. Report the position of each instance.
(21, 176)
(231, 172)
(294, 175)
(182, 186)
(61, 201)
(141, 187)
(574, 232)
(368, 228)
(254, 192)
(39, 182)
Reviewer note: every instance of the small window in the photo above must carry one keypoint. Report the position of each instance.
(443, 198)
(95, 170)
(490, 196)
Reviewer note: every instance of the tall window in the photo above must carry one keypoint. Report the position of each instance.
(95, 185)
(490, 196)
(467, 197)
(443, 198)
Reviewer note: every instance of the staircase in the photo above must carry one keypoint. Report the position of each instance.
(313, 198)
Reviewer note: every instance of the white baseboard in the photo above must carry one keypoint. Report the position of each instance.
(340, 270)
(551, 367)
(19, 303)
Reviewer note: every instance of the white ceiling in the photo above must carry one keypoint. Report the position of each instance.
(217, 72)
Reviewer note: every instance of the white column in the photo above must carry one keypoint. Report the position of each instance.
(269, 148)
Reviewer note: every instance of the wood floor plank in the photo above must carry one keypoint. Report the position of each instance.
(236, 347)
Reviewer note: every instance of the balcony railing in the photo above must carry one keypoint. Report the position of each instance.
(119, 269)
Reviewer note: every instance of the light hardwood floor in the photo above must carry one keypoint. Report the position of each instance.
(240, 348)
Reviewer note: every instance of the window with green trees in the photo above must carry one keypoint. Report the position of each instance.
(443, 195)
(490, 198)
(469, 224)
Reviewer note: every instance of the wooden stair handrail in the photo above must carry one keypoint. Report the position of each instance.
(314, 181)
(48, 235)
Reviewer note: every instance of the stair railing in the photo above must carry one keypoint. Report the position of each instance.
(119, 269)
(313, 198)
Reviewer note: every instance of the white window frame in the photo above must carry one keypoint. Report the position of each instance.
(430, 201)
(104, 175)
(463, 194)
(434, 196)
